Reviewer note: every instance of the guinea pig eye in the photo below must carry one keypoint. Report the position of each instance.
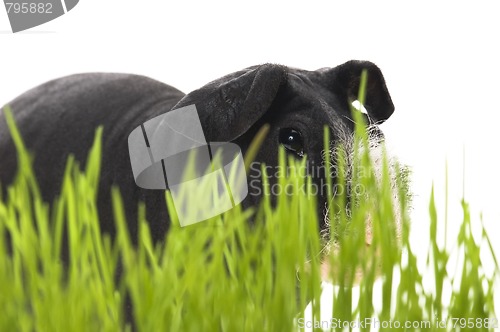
(291, 139)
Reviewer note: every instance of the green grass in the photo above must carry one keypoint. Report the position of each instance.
(230, 273)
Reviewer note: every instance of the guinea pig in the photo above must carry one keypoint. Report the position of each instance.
(59, 118)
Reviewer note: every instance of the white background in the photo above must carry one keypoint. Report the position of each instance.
(440, 61)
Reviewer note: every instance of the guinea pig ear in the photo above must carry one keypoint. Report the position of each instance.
(231, 105)
(346, 80)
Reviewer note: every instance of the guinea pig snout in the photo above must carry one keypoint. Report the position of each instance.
(380, 161)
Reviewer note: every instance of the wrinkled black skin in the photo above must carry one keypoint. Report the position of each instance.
(60, 117)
